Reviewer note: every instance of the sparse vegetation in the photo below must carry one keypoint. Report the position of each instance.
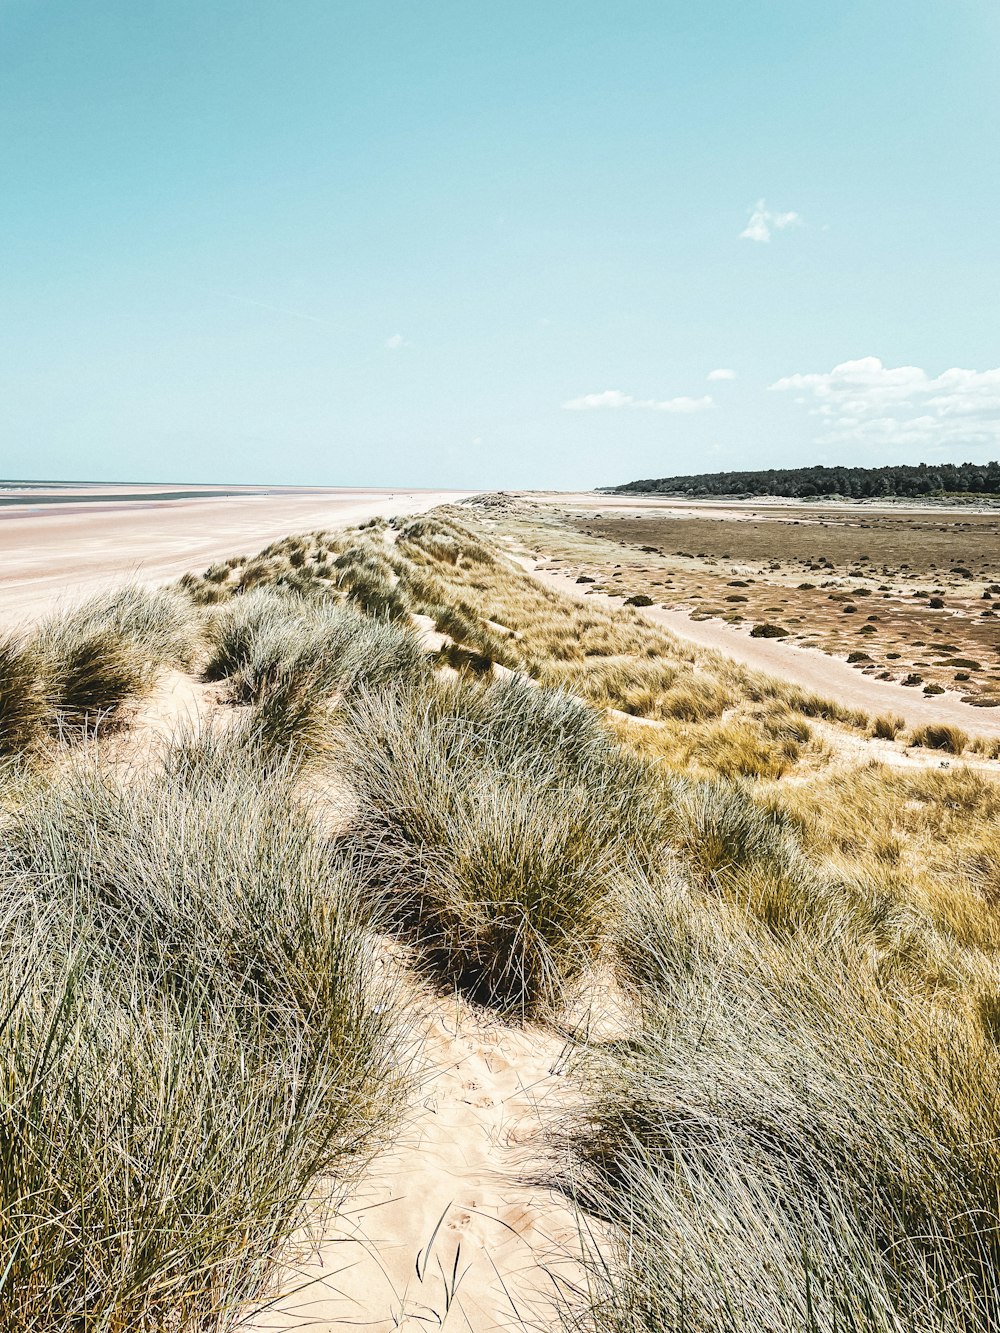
(805, 568)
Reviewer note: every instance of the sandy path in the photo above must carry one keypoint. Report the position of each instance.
(447, 1229)
(51, 554)
(774, 506)
(448, 1225)
(805, 667)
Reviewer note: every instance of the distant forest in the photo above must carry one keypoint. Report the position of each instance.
(856, 483)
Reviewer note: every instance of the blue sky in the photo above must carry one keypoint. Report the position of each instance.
(495, 244)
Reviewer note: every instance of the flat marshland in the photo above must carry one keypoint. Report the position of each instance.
(392, 939)
(907, 595)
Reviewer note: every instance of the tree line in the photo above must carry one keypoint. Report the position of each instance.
(856, 483)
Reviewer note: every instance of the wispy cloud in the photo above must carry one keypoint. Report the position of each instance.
(614, 398)
(721, 374)
(395, 342)
(868, 402)
(763, 222)
(276, 309)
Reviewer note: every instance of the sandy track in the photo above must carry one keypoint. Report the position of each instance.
(805, 667)
(447, 1228)
(54, 554)
(451, 1224)
(773, 506)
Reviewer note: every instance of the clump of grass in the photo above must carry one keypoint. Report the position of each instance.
(742, 749)
(290, 658)
(783, 1145)
(188, 1040)
(457, 657)
(887, 726)
(156, 620)
(235, 628)
(940, 736)
(633, 685)
(366, 575)
(695, 698)
(722, 833)
(99, 656)
(495, 818)
(24, 707)
(93, 675)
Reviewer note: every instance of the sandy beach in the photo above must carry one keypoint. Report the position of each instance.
(53, 552)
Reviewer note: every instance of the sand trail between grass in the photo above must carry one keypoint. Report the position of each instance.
(448, 1229)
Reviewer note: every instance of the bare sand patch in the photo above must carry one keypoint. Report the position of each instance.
(450, 1222)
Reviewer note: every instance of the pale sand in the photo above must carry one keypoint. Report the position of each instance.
(55, 554)
(733, 509)
(447, 1226)
(805, 667)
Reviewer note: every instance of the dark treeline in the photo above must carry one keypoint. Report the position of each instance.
(858, 483)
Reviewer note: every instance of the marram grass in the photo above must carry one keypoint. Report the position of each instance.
(189, 1040)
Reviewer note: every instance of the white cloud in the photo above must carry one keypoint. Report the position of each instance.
(609, 398)
(867, 402)
(763, 222)
(614, 398)
(721, 374)
(394, 343)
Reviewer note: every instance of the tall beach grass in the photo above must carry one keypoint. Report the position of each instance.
(189, 1041)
